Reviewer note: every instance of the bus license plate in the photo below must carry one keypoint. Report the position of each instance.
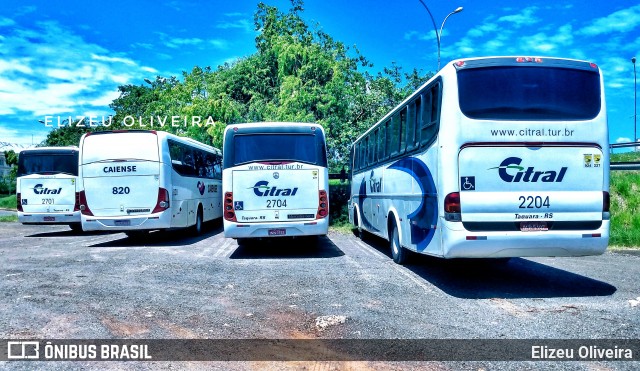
(49, 218)
(533, 226)
(122, 223)
(277, 232)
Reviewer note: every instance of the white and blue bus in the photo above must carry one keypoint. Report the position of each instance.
(491, 158)
(46, 186)
(275, 180)
(135, 181)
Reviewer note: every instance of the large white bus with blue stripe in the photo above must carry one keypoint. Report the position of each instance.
(137, 181)
(492, 157)
(275, 180)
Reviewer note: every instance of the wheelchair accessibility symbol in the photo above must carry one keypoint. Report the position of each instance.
(467, 183)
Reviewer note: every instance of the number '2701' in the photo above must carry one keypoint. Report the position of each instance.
(533, 202)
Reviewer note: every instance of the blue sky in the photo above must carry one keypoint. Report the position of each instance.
(60, 58)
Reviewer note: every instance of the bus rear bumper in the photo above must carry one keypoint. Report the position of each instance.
(127, 223)
(49, 218)
(266, 230)
(460, 243)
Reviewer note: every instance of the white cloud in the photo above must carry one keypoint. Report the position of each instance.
(50, 70)
(621, 21)
(524, 18)
(113, 59)
(241, 24)
(6, 22)
(623, 140)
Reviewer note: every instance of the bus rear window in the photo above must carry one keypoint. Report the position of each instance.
(120, 146)
(305, 148)
(47, 163)
(529, 93)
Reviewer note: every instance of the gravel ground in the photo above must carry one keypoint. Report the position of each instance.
(61, 285)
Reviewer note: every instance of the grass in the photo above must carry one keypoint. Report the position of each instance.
(8, 202)
(625, 208)
(8, 219)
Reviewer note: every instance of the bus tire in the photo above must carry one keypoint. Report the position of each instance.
(197, 228)
(398, 253)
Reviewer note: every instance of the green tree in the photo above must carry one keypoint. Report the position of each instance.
(9, 182)
(298, 73)
(68, 134)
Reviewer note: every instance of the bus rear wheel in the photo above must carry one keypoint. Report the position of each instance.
(197, 228)
(398, 253)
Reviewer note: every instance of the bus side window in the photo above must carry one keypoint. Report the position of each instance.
(387, 140)
(382, 141)
(363, 154)
(367, 151)
(411, 125)
(403, 129)
(374, 145)
(430, 115)
(395, 134)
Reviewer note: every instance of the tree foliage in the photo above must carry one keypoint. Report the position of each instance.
(298, 73)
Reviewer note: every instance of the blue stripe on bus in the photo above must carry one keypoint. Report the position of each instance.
(361, 198)
(424, 219)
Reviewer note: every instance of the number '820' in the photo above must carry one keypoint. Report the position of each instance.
(120, 190)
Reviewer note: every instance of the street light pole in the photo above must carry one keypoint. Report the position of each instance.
(635, 104)
(435, 29)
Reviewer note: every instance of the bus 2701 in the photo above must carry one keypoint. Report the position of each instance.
(275, 180)
(46, 185)
(137, 181)
(491, 158)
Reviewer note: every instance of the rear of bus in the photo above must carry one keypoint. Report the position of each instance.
(531, 151)
(124, 185)
(46, 186)
(275, 180)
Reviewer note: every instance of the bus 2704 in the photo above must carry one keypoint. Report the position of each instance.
(46, 186)
(491, 158)
(275, 180)
(137, 181)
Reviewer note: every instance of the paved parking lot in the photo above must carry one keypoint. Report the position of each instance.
(61, 285)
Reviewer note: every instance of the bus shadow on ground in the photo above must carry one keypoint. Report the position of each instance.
(177, 237)
(67, 233)
(283, 248)
(499, 278)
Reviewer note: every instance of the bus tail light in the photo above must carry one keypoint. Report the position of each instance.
(452, 207)
(229, 213)
(163, 201)
(606, 201)
(84, 208)
(323, 205)
(19, 202)
(76, 205)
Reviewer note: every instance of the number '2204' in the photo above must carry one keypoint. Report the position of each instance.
(533, 202)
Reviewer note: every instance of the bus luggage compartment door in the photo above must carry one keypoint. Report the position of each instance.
(531, 188)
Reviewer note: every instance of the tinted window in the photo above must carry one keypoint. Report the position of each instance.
(47, 163)
(307, 148)
(529, 93)
(190, 161)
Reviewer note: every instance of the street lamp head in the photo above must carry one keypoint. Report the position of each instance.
(458, 9)
(633, 60)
